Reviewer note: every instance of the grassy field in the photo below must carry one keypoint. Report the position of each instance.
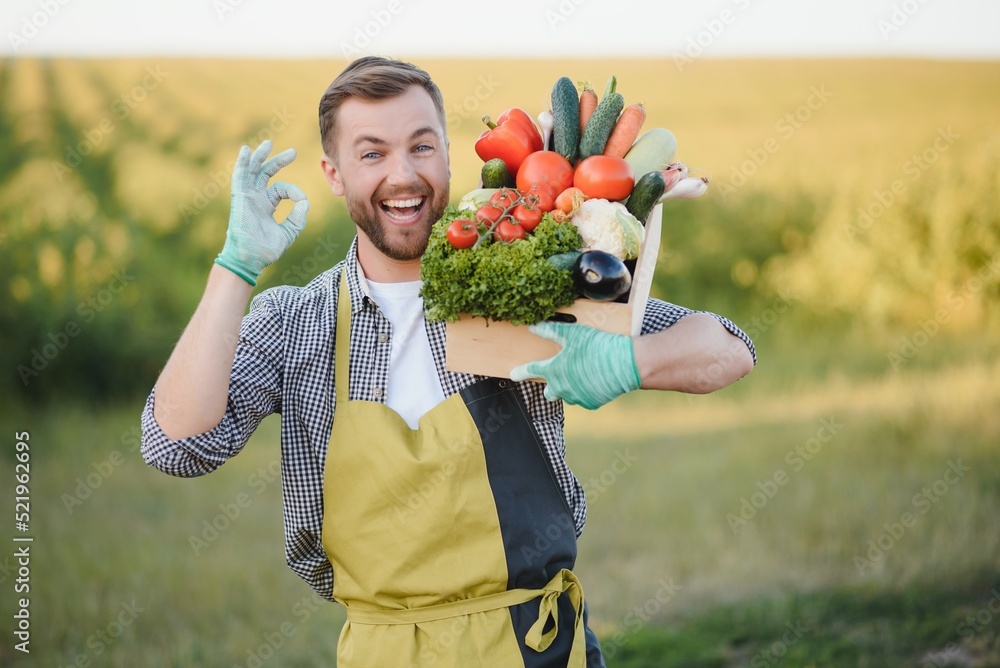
(671, 576)
(838, 507)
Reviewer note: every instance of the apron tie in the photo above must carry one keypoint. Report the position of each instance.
(564, 582)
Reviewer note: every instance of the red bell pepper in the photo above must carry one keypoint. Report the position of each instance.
(512, 138)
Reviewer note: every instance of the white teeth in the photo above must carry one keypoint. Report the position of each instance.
(403, 203)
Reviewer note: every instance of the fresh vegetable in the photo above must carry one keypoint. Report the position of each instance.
(645, 195)
(604, 177)
(653, 150)
(462, 233)
(541, 198)
(601, 276)
(545, 169)
(496, 175)
(595, 135)
(509, 230)
(672, 175)
(527, 216)
(476, 198)
(499, 281)
(588, 102)
(609, 227)
(564, 260)
(570, 200)
(488, 214)
(689, 188)
(626, 130)
(504, 197)
(566, 119)
(545, 123)
(511, 139)
(609, 87)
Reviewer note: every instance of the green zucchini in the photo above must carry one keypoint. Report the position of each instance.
(496, 175)
(653, 151)
(600, 125)
(566, 119)
(646, 194)
(564, 260)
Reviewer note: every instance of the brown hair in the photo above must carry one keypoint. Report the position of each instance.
(371, 78)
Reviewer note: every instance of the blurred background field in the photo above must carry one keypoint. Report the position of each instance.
(852, 228)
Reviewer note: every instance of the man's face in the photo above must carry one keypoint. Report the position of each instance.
(392, 168)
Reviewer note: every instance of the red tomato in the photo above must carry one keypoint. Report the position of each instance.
(605, 177)
(509, 231)
(545, 170)
(462, 233)
(541, 198)
(504, 197)
(487, 215)
(527, 216)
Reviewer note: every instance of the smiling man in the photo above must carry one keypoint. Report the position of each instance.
(436, 506)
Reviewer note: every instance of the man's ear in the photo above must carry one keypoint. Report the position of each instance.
(332, 175)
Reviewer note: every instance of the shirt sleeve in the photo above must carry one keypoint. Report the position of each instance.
(254, 393)
(660, 315)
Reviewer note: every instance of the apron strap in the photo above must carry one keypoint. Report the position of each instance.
(342, 351)
(564, 582)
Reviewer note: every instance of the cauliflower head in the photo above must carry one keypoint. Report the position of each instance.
(608, 226)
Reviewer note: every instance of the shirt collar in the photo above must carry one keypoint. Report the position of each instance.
(357, 284)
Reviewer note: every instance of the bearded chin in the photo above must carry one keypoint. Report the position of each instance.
(413, 241)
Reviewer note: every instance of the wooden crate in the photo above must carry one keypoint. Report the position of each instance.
(491, 348)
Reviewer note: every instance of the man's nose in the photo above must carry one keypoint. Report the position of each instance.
(402, 171)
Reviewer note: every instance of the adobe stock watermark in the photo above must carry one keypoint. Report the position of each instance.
(230, 511)
(712, 29)
(562, 12)
(776, 651)
(796, 458)
(911, 345)
(602, 482)
(32, 25)
(101, 640)
(922, 502)
(471, 104)
(365, 34)
(57, 341)
(640, 616)
(121, 108)
(915, 167)
(981, 620)
(100, 471)
(786, 127)
(766, 319)
(219, 182)
(901, 14)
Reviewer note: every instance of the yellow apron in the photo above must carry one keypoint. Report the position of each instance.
(451, 545)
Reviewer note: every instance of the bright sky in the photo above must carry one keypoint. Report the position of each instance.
(577, 28)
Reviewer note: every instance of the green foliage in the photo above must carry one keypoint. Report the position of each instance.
(496, 280)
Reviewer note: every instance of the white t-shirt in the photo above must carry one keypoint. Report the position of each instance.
(414, 387)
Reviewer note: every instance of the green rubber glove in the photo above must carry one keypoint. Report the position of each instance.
(255, 239)
(593, 367)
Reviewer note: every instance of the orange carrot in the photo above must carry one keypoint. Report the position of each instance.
(588, 102)
(626, 130)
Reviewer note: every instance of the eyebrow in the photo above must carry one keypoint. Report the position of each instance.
(378, 141)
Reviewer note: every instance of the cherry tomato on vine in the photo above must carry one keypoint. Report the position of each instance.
(488, 215)
(504, 197)
(462, 233)
(509, 231)
(527, 217)
(545, 170)
(540, 198)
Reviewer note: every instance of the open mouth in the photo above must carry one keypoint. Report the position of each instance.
(403, 210)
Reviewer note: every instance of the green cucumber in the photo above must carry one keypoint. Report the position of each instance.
(496, 175)
(653, 151)
(566, 119)
(600, 125)
(646, 194)
(563, 260)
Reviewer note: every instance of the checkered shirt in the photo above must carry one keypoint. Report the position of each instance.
(284, 364)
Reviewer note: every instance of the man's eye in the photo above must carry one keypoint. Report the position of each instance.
(425, 147)
(371, 155)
